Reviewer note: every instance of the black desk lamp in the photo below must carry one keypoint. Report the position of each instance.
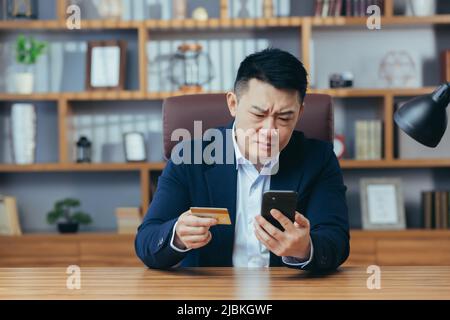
(425, 118)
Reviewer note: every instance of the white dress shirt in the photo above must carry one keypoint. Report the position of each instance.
(248, 251)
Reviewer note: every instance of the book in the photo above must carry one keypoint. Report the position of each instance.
(318, 10)
(445, 68)
(437, 210)
(377, 140)
(9, 217)
(355, 8)
(444, 207)
(448, 212)
(427, 208)
(325, 8)
(332, 8)
(358, 140)
(338, 8)
(348, 8)
(368, 140)
(282, 8)
(362, 8)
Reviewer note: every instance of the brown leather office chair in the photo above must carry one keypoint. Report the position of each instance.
(181, 112)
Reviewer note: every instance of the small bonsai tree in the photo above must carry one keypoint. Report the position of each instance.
(28, 50)
(62, 212)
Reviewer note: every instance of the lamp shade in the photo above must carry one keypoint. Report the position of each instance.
(425, 118)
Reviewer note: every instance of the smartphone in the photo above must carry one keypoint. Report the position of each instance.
(285, 201)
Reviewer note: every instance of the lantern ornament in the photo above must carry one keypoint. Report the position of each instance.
(191, 68)
(84, 150)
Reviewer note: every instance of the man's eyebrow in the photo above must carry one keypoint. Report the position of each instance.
(259, 109)
(286, 112)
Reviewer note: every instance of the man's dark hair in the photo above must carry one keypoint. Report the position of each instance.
(276, 67)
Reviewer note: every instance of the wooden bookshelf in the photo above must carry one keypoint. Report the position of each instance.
(144, 29)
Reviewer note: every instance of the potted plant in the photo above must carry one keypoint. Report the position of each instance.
(28, 51)
(68, 221)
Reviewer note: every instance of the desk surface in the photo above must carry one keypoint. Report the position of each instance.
(225, 283)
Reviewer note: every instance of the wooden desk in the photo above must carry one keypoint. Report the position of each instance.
(224, 283)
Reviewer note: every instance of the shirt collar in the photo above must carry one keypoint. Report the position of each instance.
(241, 160)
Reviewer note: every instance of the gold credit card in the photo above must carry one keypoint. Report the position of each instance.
(221, 214)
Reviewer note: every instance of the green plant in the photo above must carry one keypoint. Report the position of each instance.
(63, 211)
(28, 50)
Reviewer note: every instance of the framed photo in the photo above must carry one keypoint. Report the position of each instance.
(382, 204)
(134, 146)
(106, 65)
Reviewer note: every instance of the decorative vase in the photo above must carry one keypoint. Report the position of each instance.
(421, 8)
(24, 82)
(23, 132)
(68, 227)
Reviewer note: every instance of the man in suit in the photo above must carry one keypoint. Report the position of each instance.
(267, 154)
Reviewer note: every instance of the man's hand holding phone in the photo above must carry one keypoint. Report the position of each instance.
(294, 241)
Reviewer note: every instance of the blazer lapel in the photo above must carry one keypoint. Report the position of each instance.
(221, 180)
(288, 177)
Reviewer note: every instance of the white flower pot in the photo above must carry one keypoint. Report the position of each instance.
(421, 8)
(24, 82)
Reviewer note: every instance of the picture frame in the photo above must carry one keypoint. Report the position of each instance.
(134, 146)
(382, 204)
(106, 62)
(21, 9)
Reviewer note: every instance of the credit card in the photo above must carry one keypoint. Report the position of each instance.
(221, 214)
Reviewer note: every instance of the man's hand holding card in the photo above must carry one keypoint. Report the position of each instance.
(192, 228)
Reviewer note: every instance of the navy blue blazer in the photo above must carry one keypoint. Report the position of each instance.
(308, 166)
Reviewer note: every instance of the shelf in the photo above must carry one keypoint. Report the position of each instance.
(216, 23)
(385, 21)
(69, 167)
(87, 95)
(30, 97)
(138, 95)
(392, 164)
(224, 23)
(104, 95)
(36, 24)
(157, 166)
(398, 234)
(363, 92)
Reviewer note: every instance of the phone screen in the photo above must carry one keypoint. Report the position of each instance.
(285, 201)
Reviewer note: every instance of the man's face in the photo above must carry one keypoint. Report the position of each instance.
(265, 118)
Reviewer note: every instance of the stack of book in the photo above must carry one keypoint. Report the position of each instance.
(368, 140)
(436, 210)
(349, 8)
(128, 220)
(9, 217)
